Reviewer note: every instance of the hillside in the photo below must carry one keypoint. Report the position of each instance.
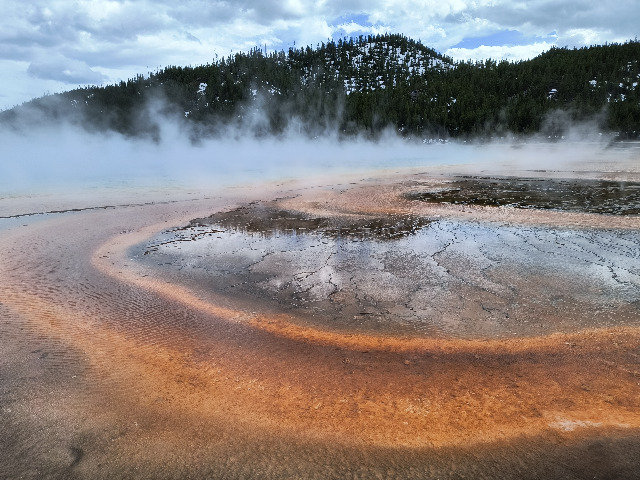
(363, 86)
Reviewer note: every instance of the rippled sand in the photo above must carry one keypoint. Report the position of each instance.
(109, 369)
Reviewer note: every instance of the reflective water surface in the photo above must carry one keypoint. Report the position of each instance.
(411, 275)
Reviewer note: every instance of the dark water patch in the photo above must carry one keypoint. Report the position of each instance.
(572, 195)
(266, 219)
(258, 217)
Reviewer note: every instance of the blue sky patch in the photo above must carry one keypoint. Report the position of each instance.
(360, 19)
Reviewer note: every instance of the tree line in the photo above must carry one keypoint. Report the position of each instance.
(364, 86)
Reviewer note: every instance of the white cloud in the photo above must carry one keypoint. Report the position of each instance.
(351, 28)
(89, 40)
(58, 67)
(584, 36)
(17, 85)
(607, 20)
(510, 53)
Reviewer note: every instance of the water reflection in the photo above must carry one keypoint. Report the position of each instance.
(411, 275)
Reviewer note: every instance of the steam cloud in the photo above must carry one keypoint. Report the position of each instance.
(39, 157)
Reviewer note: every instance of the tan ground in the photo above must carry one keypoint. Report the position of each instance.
(108, 371)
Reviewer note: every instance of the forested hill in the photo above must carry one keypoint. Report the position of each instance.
(363, 86)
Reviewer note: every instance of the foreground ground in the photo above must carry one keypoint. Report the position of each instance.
(112, 367)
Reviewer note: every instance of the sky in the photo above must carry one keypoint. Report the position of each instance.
(56, 45)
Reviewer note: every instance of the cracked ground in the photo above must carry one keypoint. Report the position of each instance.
(402, 273)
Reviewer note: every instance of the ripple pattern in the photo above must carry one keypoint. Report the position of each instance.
(110, 369)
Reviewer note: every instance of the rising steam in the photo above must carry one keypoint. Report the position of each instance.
(40, 157)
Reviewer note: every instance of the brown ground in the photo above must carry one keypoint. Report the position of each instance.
(108, 372)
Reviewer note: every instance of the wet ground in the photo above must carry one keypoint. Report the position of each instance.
(568, 194)
(334, 330)
(419, 275)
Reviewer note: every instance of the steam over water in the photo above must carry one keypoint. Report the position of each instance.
(65, 159)
(310, 309)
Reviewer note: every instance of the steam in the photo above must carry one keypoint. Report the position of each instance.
(41, 157)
